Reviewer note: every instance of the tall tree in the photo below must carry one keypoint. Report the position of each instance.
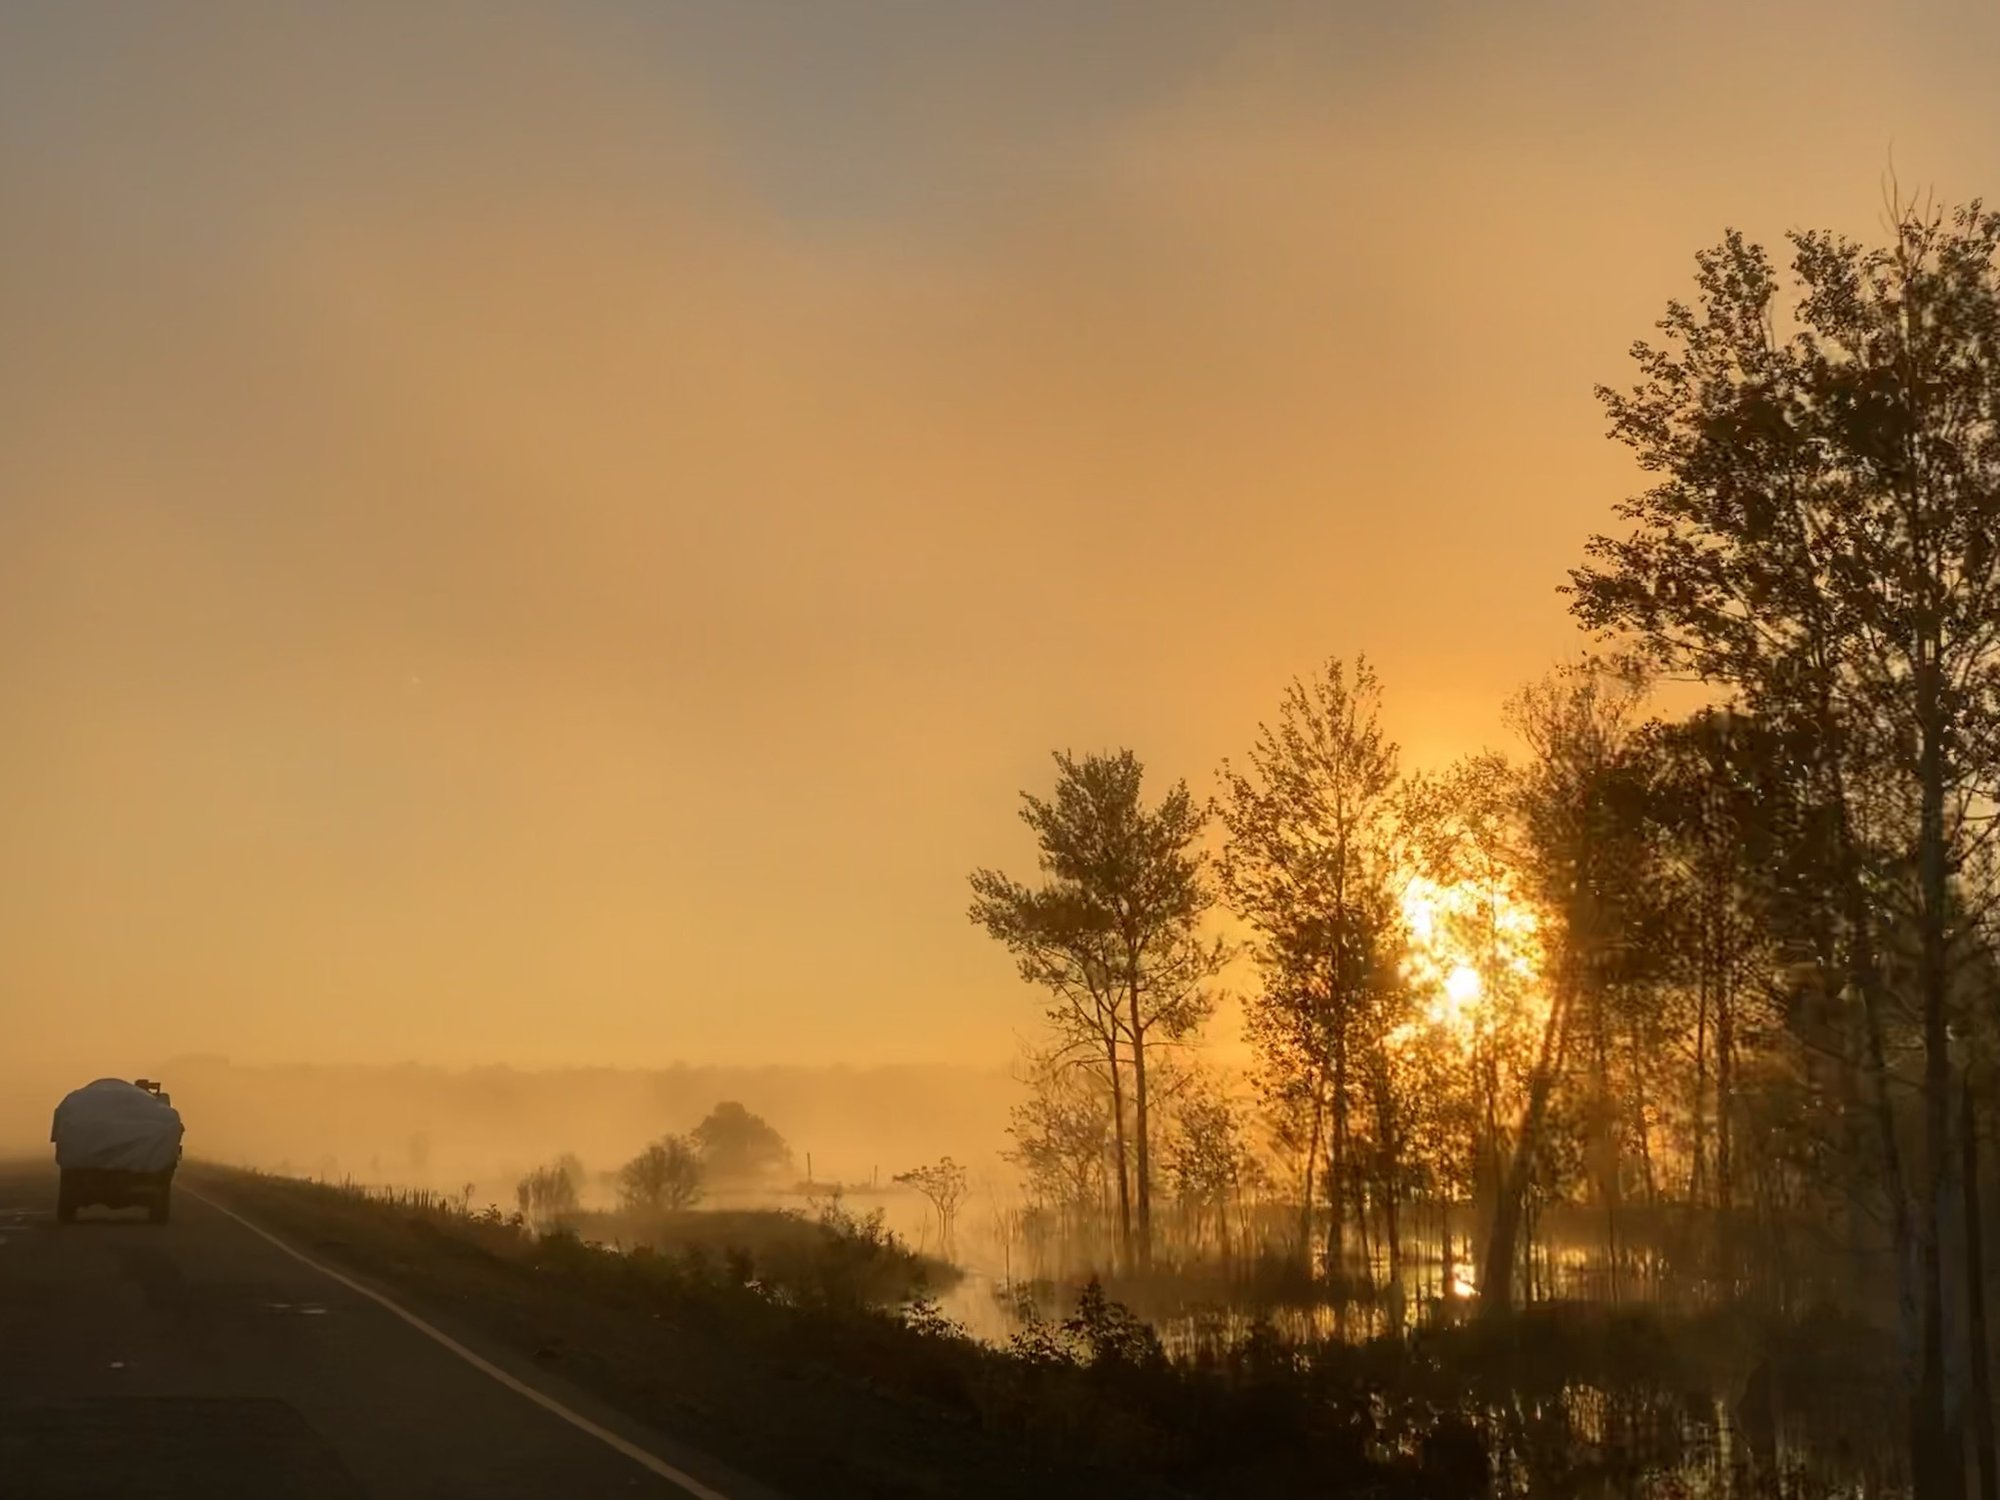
(1315, 864)
(1821, 540)
(1115, 932)
(1471, 857)
(1574, 723)
(1710, 808)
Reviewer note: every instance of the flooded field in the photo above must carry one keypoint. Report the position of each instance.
(1584, 1401)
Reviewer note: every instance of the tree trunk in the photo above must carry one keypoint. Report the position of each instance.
(1611, 1245)
(1364, 1230)
(1642, 1129)
(1698, 1108)
(1387, 1132)
(1722, 980)
(1393, 1232)
(1528, 1249)
(1487, 1167)
(1448, 1292)
(1487, 1171)
(1496, 1276)
(1937, 1469)
(1906, 1242)
(1336, 1166)
(1124, 1170)
(1604, 1135)
(1725, 1181)
(1222, 1226)
(1144, 1156)
(1867, 982)
(1850, 1084)
(1979, 1351)
(1312, 1162)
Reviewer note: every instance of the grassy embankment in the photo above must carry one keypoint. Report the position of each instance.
(807, 1353)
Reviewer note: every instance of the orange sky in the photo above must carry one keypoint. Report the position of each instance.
(558, 536)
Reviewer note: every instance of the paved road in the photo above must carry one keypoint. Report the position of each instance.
(196, 1359)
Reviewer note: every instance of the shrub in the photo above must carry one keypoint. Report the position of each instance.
(550, 1190)
(667, 1175)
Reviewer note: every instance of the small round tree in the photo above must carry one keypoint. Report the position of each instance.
(944, 1184)
(666, 1176)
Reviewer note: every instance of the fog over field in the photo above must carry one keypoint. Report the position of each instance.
(424, 1126)
(561, 543)
(1235, 749)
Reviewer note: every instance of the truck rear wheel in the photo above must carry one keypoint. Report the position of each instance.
(65, 1204)
(161, 1205)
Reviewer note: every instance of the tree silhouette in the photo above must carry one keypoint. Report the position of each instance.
(1316, 864)
(943, 1185)
(1207, 1156)
(1821, 541)
(1575, 724)
(1114, 933)
(1062, 1143)
(551, 1189)
(736, 1145)
(667, 1175)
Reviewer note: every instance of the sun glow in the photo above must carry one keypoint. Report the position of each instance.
(1466, 939)
(1463, 985)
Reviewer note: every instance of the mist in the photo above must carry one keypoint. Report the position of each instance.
(527, 539)
(673, 666)
(427, 1127)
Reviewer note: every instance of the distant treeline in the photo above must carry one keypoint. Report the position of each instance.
(419, 1125)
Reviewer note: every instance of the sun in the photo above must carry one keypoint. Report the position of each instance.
(1463, 937)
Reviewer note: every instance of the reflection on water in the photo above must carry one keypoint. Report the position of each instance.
(1758, 1437)
(1815, 1421)
(1655, 1446)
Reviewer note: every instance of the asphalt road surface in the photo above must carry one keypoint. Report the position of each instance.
(197, 1359)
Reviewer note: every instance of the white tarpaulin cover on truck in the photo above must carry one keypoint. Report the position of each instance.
(114, 1126)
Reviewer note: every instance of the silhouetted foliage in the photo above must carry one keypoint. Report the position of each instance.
(1697, 1010)
(736, 1145)
(1820, 543)
(550, 1190)
(943, 1184)
(667, 1175)
(1115, 934)
(1316, 863)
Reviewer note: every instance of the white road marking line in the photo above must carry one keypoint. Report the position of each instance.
(548, 1403)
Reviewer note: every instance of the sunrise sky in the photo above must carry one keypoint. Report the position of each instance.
(558, 533)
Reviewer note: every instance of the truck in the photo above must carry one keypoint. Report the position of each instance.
(117, 1145)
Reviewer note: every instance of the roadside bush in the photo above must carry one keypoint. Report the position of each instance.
(550, 1190)
(666, 1176)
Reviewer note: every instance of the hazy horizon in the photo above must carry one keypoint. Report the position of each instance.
(492, 1124)
(557, 538)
